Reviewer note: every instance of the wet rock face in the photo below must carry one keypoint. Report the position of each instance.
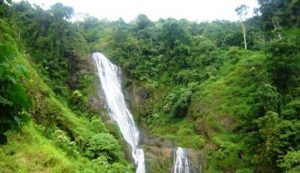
(160, 155)
(196, 157)
(96, 103)
(158, 160)
(162, 160)
(139, 95)
(158, 142)
(143, 94)
(193, 157)
(160, 152)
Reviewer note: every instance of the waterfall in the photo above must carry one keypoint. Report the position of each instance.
(181, 163)
(118, 111)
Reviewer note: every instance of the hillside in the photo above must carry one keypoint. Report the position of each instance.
(235, 107)
(47, 132)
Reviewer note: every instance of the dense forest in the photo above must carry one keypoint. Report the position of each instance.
(230, 90)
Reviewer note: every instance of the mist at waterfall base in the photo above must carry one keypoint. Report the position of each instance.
(181, 163)
(110, 82)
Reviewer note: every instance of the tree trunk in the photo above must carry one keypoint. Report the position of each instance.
(244, 32)
(276, 28)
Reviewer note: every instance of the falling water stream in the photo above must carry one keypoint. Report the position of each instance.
(110, 82)
(181, 162)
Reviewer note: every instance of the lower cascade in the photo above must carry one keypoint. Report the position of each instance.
(181, 162)
(110, 82)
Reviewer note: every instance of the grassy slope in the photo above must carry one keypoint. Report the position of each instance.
(225, 102)
(217, 110)
(35, 148)
(32, 151)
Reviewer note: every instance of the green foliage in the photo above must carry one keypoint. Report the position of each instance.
(119, 168)
(291, 161)
(176, 102)
(142, 22)
(63, 141)
(216, 30)
(291, 111)
(77, 97)
(61, 12)
(285, 12)
(13, 98)
(247, 170)
(284, 64)
(98, 126)
(268, 97)
(91, 26)
(275, 134)
(231, 88)
(102, 144)
(173, 34)
(55, 44)
(59, 124)
(214, 93)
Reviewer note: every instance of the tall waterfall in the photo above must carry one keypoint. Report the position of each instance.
(181, 163)
(118, 111)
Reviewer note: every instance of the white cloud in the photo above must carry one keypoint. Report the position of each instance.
(196, 10)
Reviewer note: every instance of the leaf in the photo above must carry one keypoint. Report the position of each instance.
(5, 101)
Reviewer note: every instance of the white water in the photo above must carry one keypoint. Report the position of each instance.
(118, 111)
(181, 163)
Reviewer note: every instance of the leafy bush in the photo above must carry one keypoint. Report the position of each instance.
(176, 103)
(97, 126)
(77, 98)
(275, 134)
(283, 63)
(13, 98)
(102, 144)
(119, 168)
(64, 142)
(268, 97)
(291, 161)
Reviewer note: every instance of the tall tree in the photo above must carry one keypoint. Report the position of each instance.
(276, 14)
(242, 12)
(142, 21)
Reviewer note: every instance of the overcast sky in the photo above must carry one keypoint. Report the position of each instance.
(195, 10)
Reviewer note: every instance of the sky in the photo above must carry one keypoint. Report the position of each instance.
(193, 10)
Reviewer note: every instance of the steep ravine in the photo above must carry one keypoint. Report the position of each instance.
(160, 153)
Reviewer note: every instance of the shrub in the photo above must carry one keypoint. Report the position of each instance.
(290, 160)
(64, 142)
(119, 168)
(13, 98)
(102, 144)
(97, 126)
(176, 103)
